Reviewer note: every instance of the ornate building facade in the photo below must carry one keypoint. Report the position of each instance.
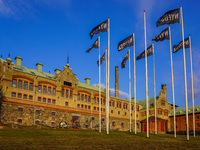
(36, 98)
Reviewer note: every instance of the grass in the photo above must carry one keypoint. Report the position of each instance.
(90, 140)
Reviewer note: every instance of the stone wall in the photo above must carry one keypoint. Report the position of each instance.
(24, 115)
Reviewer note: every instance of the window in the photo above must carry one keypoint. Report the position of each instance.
(122, 124)
(118, 112)
(104, 110)
(37, 112)
(44, 100)
(117, 105)
(89, 107)
(113, 104)
(81, 97)
(197, 117)
(94, 100)
(113, 123)
(53, 113)
(49, 100)
(131, 114)
(54, 91)
(137, 107)
(92, 118)
(109, 103)
(85, 98)
(163, 103)
(166, 113)
(82, 106)
(49, 90)
(160, 111)
(78, 105)
(20, 109)
(37, 122)
(66, 93)
(89, 99)
(198, 124)
(67, 83)
(62, 92)
(125, 114)
(19, 95)
(30, 97)
(66, 103)
(97, 108)
(70, 96)
(53, 101)
(14, 83)
(102, 119)
(19, 120)
(85, 106)
(31, 86)
(97, 100)
(25, 96)
(13, 94)
(39, 99)
(26, 85)
(78, 96)
(39, 88)
(94, 108)
(52, 123)
(44, 89)
(20, 84)
(131, 107)
(103, 101)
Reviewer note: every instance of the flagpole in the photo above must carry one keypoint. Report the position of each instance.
(185, 77)
(147, 92)
(154, 88)
(134, 81)
(99, 88)
(129, 85)
(172, 74)
(106, 84)
(107, 114)
(192, 86)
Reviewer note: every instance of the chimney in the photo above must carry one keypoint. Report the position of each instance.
(57, 71)
(39, 67)
(18, 61)
(87, 81)
(164, 88)
(116, 82)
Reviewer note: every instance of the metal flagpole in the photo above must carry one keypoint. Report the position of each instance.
(134, 81)
(99, 88)
(185, 77)
(129, 85)
(106, 84)
(147, 92)
(172, 74)
(154, 89)
(107, 114)
(192, 86)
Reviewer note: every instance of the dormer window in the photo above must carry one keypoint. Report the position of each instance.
(67, 83)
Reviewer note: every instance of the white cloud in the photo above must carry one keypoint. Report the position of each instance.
(5, 10)
(122, 94)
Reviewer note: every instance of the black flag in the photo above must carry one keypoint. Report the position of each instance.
(127, 42)
(95, 45)
(162, 36)
(149, 53)
(101, 59)
(103, 27)
(180, 45)
(169, 17)
(123, 64)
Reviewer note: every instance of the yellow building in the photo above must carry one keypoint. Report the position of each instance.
(33, 97)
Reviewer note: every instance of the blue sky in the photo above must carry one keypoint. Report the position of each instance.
(45, 31)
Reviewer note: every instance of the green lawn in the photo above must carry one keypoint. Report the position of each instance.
(87, 139)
